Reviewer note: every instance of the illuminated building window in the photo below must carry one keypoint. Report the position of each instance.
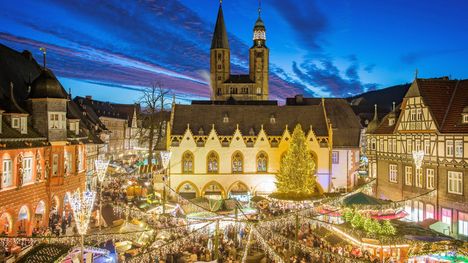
(447, 217)
(430, 178)
(408, 175)
(455, 182)
(463, 223)
(187, 163)
(7, 173)
(335, 157)
(27, 169)
(262, 162)
(429, 211)
(212, 162)
(393, 173)
(237, 163)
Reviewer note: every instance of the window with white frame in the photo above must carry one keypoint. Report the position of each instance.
(15, 123)
(394, 149)
(417, 145)
(430, 178)
(381, 145)
(463, 223)
(57, 120)
(449, 148)
(455, 182)
(24, 125)
(409, 214)
(80, 159)
(392, 173)
(27, 169)
(459, 148)
(408, 175)
(335, 157)
(429, 211)
(419, 178)
(7, 173)
(409, 146)
(419, 114)
(390, 145)
(67, 163)
(427, 147)
(465, 118)
(447, 217)
(413, 114)
(418, 211)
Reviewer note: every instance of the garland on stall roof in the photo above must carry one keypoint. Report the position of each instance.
(247, 246)
(270, 252)
(149, 255)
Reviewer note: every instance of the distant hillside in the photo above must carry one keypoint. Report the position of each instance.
(363, 104)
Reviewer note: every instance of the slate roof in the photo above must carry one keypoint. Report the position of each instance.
(384, 127)
(220, 39)
(345, 124)
(46, 85)
(107, 109)
(248, 117)
(21, 69)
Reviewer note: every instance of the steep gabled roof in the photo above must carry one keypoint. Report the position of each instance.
(220, 39)
(446, 100)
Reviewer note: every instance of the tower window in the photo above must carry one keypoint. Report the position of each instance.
(259, 90)
(245, 90)
(219, 77)
(219, 66)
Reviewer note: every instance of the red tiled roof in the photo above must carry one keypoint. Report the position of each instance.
(446, 100)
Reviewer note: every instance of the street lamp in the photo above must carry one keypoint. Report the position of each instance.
(82, 207)
(101, 170)
(165, 158)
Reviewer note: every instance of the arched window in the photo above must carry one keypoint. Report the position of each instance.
(212, 162)
(237, 163)
(187, 163)
(7, 172)
(262, 162)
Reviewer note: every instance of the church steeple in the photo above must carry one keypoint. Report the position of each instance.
(220, 39)
(259, 36)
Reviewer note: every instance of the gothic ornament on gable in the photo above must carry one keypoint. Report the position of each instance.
(38, 166)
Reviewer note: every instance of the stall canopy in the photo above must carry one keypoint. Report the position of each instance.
(363, 199)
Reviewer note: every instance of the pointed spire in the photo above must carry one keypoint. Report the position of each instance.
(375, 112)
(393, 106)
(259, 8)
(44, 53)
(220, 39)
(416, 72)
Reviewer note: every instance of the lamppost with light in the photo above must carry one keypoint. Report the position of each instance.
(165, 158)
(101, 170)
(82, 206)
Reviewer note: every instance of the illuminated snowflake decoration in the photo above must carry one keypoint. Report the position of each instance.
(165, 157)
(101, 169)
(418, 157)
(82, 206)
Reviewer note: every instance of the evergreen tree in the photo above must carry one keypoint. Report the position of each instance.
(297, 171)
(348, 215)
(357, 220)
(367, 224)
(374, 227)
(387, 228)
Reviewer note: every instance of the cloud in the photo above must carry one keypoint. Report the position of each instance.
(413, 57)
(305, 19)
(324, 75)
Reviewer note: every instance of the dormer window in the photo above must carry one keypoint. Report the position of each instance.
(226, 118)
(24, 125)
(465, 118)
(391, 121)
(200, 131)
(57, 120)
(15, 122)
(75, 127)
(272, 119)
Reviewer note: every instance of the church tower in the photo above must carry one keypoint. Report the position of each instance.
(220, 57)
(259, 59)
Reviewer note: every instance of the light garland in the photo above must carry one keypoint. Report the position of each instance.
(270, 252)
(165, 157)
(246, 251)
(418, 157)
(82, 207)
(101, 169)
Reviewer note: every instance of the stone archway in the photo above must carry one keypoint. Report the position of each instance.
(40, 214)
(239, 191)
(188, 190)
(6, 224)
(213, 190)
(24, 220)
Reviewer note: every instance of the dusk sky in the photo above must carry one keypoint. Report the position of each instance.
(317, 48)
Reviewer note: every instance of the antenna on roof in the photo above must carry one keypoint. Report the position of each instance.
(44, 52)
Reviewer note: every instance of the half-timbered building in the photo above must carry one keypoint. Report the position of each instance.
(431, 122)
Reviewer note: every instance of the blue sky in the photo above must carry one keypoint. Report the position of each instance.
(318, 48)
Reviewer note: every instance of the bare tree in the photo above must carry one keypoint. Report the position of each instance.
(151, 131)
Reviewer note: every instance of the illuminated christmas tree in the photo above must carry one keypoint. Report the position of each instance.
(297, 172)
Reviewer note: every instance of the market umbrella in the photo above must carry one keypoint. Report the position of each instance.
(363, 199)
(440, 227)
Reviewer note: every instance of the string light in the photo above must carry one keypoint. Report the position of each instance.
(82, 207)
(101, 169)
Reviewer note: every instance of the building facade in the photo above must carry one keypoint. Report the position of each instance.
(42, 145)
(431, 122)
